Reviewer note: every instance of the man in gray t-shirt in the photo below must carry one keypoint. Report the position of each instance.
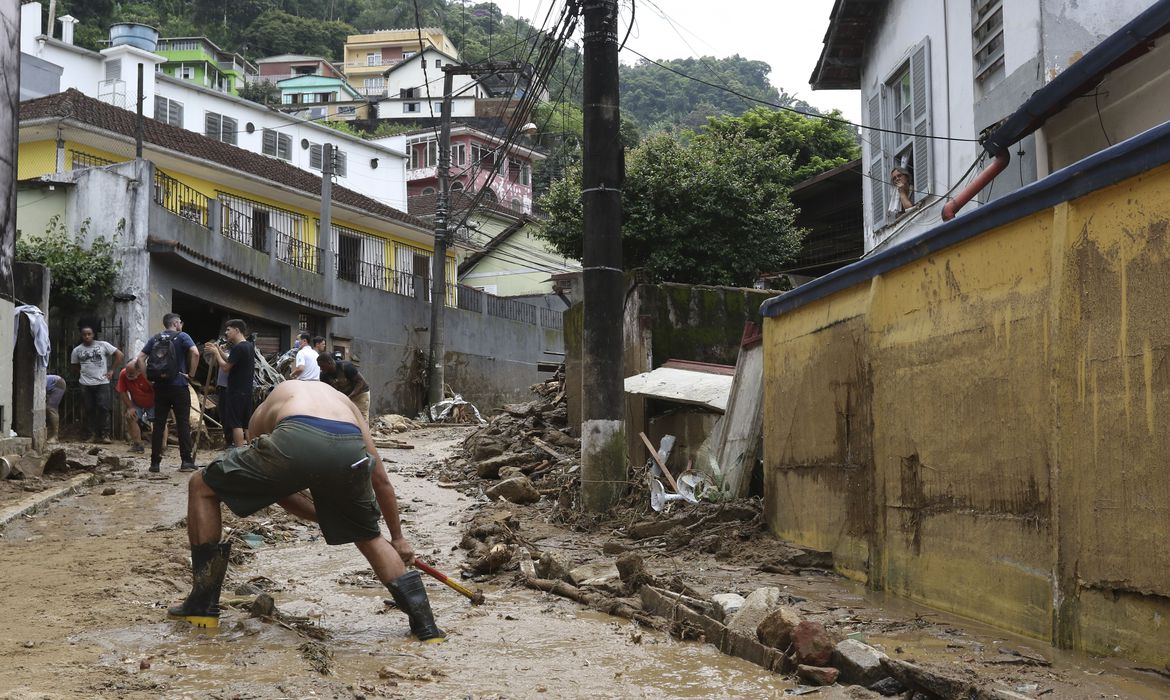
(91, 361)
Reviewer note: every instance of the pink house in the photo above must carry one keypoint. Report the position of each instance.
(475, 155)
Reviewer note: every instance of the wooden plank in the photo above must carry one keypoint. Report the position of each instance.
(654, 456)
(739, 436)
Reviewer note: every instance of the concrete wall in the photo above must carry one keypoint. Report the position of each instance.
(984, 428)
(490, 360)
(664, 322)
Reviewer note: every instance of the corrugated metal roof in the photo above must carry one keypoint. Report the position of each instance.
(683, 386)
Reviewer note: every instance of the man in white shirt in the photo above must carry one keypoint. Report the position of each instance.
(306, 368)
(90, 361)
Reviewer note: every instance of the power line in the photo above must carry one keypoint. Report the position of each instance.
(550, 51)
(785, 108)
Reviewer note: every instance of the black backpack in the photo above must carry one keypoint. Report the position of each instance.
(162, 364)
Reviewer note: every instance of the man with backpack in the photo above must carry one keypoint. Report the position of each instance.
(168, 359)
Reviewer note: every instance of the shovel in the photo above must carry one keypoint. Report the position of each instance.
(475, 597)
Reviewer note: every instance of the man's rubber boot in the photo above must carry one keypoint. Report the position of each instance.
(208, 567)
(411, 597)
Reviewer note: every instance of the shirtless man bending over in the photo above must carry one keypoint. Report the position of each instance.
(310, 437)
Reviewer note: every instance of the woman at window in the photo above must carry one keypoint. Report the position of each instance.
(903, 198)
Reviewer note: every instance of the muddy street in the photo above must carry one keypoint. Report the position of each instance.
(88, 579)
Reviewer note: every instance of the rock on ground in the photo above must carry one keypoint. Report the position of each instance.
(817, 675)
(549, 567)
(813, 644)
(727, 604)
(775, 630)
(757, 606)
(518, 489)
(858, 662)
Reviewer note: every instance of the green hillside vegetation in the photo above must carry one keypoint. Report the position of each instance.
(653, 99)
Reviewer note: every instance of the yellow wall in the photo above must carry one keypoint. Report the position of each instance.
(39, 158)
(986, 429)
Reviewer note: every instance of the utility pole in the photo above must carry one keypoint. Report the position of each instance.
(439, 262)
(325, 228)
(603, 428)
(435, 379)
(138, 122)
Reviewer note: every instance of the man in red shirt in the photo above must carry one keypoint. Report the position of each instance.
(137, 394)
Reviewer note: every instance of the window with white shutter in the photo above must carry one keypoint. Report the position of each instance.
(315, 156)
(168, 111)
(339, 162)
(220, 128)
(900, 106)
(268, 143)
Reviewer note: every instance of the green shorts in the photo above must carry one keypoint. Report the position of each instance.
(334, 466)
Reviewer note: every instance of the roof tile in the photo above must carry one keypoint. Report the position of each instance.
(75, 105)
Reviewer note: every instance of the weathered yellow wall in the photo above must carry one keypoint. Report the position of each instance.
(985, 429)
(37, 158)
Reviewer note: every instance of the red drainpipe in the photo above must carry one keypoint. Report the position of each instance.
(981, 180)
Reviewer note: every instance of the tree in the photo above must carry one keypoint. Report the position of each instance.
(83, 275)
(702, 209)
(814, 145)
(261, 92)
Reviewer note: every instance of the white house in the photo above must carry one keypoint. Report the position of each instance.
(411, 82)
(372, 169)
(935, 76)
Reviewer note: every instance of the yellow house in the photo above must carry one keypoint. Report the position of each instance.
(367, 56)
(213, 231)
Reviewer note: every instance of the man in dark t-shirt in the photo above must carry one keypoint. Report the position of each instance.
(345, 377)
(172, 395)
(235, 408)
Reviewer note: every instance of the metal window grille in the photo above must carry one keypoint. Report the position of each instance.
(81, 159)
(254, 224)
(181, 199)
(361, 257)
(469, 298)
(297, 253)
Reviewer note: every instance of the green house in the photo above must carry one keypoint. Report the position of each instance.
(198, 60)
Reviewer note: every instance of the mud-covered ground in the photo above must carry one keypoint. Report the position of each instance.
(86, 581)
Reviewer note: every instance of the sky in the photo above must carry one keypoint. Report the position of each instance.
(785, 34)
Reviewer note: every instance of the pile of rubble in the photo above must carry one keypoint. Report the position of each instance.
(383, 428)
(524, 449)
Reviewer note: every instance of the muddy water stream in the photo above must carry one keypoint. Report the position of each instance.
(520, 644)
(87, 581)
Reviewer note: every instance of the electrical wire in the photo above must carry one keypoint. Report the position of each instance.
(785, 108)
(550, 52)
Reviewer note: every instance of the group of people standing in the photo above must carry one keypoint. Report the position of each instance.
(150, 393)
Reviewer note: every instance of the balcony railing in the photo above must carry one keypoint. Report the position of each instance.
(80, 160)
(298, 253)
(180, 198)
(511, 309)
(550, 318)
(469, 298)
(257, 225)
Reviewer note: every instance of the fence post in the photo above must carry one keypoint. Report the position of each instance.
(215, 215)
